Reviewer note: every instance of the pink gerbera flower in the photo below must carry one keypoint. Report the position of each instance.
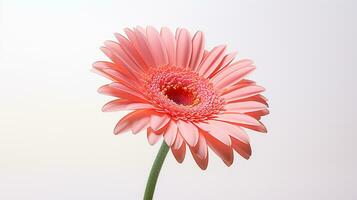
(179, 91)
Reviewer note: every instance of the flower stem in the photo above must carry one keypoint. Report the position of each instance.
(155, 171)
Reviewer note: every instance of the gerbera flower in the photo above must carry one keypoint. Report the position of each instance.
(178, 91)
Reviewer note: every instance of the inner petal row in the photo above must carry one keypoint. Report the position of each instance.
(182, 93)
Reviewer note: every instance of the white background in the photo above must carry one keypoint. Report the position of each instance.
(56, 144)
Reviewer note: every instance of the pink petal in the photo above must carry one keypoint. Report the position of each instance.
(178, 141)
(232, 130)
(124, 104)
(259, 98)
(233, 78)
(215, 131)
(221, 75)
(177, 33)
(227, 59)
(262, 97)
(180, 152)
(198, 48)
(205, 54)
(104, 65)
(129, 48)
(120, 65)
(225, 62)
(170, 133)
(121, 91)
(244, 107)
(200, 153)
(158, 121)
(123, 57)
(238, 118)
(189, 132)
(126, 122)
(243, 92)
(183, 49)
(258, 114)
(211, 62)
(111, 56)
(240, 84)
(223, 151)
(140, 124)
(170, 44)
(153, 138)
(139, 41)
(242, 148)
(121, 78)
(157, 47)
(123, 88)
(105, 69)
(261, 128)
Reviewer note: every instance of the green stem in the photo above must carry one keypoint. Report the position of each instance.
(155, 171)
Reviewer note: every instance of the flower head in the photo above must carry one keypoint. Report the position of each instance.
(177, 90)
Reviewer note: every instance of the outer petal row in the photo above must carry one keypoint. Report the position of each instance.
(221, 137)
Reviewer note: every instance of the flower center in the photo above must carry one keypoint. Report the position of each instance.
(181, 93)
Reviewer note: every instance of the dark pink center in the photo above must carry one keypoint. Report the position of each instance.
(180, 95)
